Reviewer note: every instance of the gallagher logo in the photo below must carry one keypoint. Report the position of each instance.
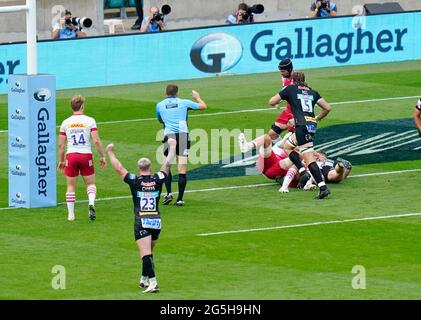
(42, 95)
(216, 52)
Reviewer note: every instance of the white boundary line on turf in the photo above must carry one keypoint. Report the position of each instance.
(247, 110)
(238, 187)
(311, 224)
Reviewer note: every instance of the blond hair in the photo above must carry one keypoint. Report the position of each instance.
(144, 164)
(77, 102)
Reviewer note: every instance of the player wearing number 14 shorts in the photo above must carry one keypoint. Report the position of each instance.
(77, 130)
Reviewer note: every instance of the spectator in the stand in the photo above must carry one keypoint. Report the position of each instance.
(65, 29)
(240, 16)
(139, 11)
(155, 22)
(323, 8)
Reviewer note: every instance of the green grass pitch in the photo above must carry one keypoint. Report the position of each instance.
(309, 262)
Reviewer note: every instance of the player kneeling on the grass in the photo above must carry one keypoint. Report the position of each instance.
(273, 165)
(77, 130)
(302, 100)
(146, 192)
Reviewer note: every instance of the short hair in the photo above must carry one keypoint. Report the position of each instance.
(77, 102)
(67, 12)
(172, 90)
(144, 164)
(243, 6)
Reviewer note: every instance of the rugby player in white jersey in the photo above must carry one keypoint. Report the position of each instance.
(77, 130)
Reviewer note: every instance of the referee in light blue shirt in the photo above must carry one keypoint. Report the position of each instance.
(172, 112)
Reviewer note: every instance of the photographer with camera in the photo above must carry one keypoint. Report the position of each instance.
(323, 8)
(68, 27)
(244, 14)
(155, 22)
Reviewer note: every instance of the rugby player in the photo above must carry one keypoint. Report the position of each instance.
(273, 162)
(303, 100)
(333, 171)
(417, 114)
(146, 192)
(281, 123)
(172, 112)
(77, 130)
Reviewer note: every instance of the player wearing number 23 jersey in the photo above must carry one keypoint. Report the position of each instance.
(146, 191)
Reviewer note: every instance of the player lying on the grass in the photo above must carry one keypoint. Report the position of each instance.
(334, 171)
(281, 123)
(146, 191)
(273, 162)
(303, 100)
(77, 130)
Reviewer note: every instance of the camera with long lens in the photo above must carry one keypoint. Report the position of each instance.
(324, 4)
(165, 10)
(255, 9)
(80, 22)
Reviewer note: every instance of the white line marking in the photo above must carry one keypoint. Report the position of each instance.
(247, 110)
(238, 187)
(311, 224)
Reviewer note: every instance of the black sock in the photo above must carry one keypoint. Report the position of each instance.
(317, 174)
(295, 158)
(148, 266)
(168, 182)
(182, 182)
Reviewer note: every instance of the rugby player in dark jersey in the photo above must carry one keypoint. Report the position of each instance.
(146, 192)
(303, 100)
(333, 170)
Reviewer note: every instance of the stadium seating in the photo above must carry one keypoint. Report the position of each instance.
(122, 5)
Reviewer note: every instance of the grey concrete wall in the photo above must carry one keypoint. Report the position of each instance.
(13, 25)
(194, 13)
(186, 13)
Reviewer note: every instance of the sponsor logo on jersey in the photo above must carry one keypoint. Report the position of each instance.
(77, 125)
(359, 143)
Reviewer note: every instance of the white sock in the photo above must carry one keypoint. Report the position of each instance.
(289, 177)
(91, 190)
(144, 279)
(152, 281)
(70, 201)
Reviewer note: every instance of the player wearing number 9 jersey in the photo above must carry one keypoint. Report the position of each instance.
(77, 130)
(146, 192)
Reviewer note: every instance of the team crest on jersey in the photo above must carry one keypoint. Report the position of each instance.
(360, 143)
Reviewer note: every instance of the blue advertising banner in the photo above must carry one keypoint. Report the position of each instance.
(32, 141)
(204, 52)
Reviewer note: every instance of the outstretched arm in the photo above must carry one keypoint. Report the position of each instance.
(274, 101)
(115, 163)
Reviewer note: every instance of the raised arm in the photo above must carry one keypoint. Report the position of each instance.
(196, 96)
(97, 141)
(115, 163)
